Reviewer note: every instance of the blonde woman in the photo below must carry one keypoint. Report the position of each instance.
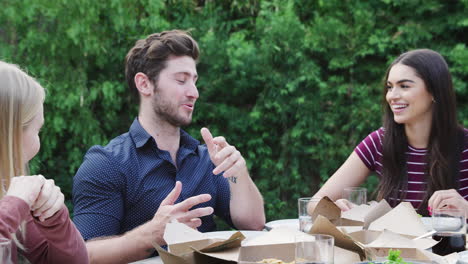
(32, 212)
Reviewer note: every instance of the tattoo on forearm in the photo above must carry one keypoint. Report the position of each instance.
(233, 179)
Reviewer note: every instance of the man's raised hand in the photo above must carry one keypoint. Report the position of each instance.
(225, 157)
(168, 211)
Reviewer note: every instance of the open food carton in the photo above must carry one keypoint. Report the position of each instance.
(360, 216)
(377, 216)
(382, 229)
(188, 246)
(395, 229)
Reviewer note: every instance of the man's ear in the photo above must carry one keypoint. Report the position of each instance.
(143, 84)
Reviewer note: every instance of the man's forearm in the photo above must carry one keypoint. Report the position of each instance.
(246, 204)
(119, 249)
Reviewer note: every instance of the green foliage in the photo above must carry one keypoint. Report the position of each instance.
(393, 258)
(294, 85)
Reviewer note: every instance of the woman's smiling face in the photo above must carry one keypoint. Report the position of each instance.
(407, 96)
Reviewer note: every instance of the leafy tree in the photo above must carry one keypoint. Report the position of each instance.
(293, 84)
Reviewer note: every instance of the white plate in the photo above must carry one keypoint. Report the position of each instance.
(292, 223)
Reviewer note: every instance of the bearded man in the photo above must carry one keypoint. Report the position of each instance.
(126, 192)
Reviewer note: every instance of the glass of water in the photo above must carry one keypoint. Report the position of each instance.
(450, 225)
(305, 220)
(315, 248)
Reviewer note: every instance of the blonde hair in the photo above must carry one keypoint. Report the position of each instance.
(21, 98)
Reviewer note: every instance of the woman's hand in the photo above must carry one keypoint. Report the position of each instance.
(27, 188)
(344, 204)
(447, 198)
(49, 201)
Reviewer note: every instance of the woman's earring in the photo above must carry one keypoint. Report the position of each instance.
(433, 100)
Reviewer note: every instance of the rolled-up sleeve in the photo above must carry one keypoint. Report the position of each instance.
(97, 195)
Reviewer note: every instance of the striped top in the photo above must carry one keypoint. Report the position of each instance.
(370, 152)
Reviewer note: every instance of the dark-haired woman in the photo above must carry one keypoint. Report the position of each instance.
(421, 152)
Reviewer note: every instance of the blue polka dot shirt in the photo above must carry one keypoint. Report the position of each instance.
(120, 186)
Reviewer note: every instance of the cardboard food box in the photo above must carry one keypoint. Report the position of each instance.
(378, 217)
(285, 237)
(361, 215)
(382, 229)
(372, 230)
(375, 245)
(188, 246)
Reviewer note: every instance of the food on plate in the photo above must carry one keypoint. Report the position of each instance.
(394, 258)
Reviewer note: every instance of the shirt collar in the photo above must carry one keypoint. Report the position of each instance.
(141, 137)
(139, 134)
(188, 141)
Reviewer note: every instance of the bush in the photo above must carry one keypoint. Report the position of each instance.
(294, 85)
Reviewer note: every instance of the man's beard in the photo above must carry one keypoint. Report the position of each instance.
(168, 112)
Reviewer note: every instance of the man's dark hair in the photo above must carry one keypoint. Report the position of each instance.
(150, 55)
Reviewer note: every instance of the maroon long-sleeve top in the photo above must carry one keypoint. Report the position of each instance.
(56, 240)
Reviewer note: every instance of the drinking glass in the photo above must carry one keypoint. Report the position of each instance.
(450, 227)
(356, 195)
(314, 249)
(305, 220)
(5, 251)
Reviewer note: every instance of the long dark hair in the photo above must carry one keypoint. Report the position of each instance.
(442, 157)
